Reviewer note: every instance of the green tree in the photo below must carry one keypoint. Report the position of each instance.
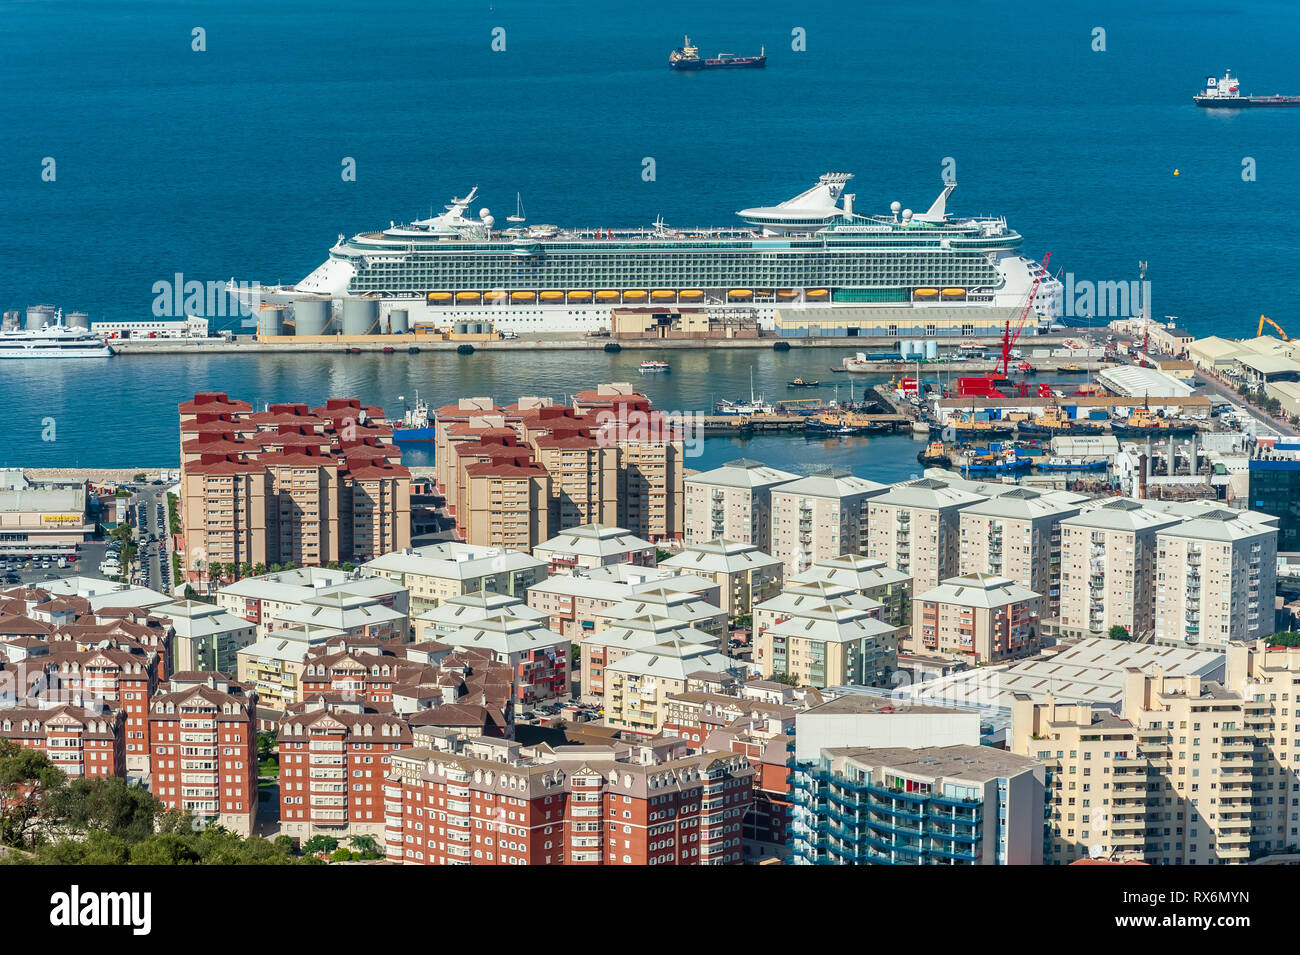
(341, 855)
(365, 847)
(317, 844)
(27, 781)
(259, 569)
(164, 849)
(1286, 638)
(283, 844)
(107, 805)
(1118, 632)
(246, 569)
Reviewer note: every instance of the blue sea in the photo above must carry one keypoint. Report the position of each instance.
(227, 162)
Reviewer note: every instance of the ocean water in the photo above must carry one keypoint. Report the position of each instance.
(227, 162)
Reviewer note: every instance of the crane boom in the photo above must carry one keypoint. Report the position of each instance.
(1008, 338)
(1265, 318)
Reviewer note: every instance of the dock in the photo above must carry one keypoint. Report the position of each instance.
(791, 423)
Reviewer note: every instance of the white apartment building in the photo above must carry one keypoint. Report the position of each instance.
(1108, 568)
(1216, 578)
(820, 516)
(1017, 535)
(733, 501)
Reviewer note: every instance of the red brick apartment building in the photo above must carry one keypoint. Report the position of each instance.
(492, 802)
(84, 742)
(203, 748)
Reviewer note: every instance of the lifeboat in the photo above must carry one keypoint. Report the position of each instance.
(606, 295)
(954, 293)
(763, 291)
(635, 293)
(660, 294)
(740, 293)
(579, 296)
(787, 293)
(495, 296)
(522, 296)
(467, 296)
(439, 298)
(925, 293)
(552, 296)
(817, 293)
(691, 293)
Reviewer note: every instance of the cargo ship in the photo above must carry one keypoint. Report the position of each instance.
(687, 58)
(1054, 421)
(1224, 93)
(416, 425)
(815, 253)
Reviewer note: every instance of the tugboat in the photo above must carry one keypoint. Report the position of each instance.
(1225, 94)
(1071, 369)
(996, 461)
(1143, 422)
(801, 383)
(687, 58)
(935, 455)
(1054, 421)
(969, 427)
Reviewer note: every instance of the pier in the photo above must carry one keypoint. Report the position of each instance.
(794, 423)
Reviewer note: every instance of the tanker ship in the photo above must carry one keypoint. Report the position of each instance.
(687, 58)
(1224, 93)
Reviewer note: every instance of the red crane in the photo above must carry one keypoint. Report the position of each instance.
(1008, 337)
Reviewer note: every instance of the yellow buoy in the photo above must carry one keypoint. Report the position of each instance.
(1175, 172)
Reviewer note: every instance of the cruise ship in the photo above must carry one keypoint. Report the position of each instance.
(52, 339)
(813, 252)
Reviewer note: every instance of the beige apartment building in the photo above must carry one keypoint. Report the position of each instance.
(834, 643)
(506, 505)
(1017, 535)
(734, 502)
(820, 516)
(652, 488)
(915, 528)
(437, 572)
(981, 618)
(745, 574)
(870, 578)
(1189, 772)
(639, 686)
(1108, 568)
(1216, 579)
(600, 650)
(584, 479)
(580, 604)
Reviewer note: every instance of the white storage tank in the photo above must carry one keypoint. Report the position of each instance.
(931, 350)
(39, 316)
(270, 320)
(78, 320)
(905, 349)
(399, 322)
(360, 316)
(311, 316)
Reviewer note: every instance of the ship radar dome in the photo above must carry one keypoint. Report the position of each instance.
(484, 212)
(488, 220)
(895, 206)
(907, 215)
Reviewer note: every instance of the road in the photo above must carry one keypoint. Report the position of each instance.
(1221, 389)
(153, 537)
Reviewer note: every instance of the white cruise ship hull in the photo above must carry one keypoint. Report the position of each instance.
(17, 351)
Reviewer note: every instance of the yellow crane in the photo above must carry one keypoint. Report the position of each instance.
(1265, 318)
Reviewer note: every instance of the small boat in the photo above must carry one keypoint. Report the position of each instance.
(654, 366)
(351, 351)
(389, 349)
(801, 383)
(966, 427)
(1002, 461)
(743, 406)
(935, 455)
(1071, 369)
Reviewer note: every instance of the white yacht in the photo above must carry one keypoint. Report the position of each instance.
(52, 339)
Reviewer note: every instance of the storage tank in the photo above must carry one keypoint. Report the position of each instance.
(311, 316)
(931, 350)
(38, 316)
(399, 322)
(905, 349)
(269, 320)
(461, 328)
(78, 320)
(360, 316)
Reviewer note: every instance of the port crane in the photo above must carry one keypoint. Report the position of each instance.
(1281, 334)
(1001, 370)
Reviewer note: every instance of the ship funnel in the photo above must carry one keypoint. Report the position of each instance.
(938, 212)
